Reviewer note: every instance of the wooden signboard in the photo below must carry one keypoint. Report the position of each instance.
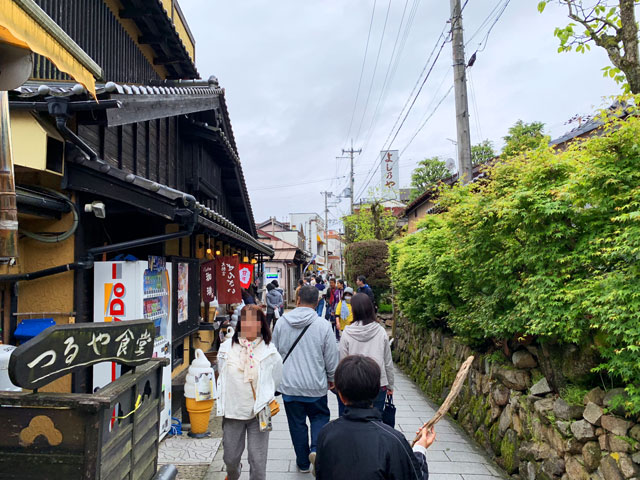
(61, 349)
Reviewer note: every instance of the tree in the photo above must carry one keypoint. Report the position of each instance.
(482, 152)
(370, 222)
(523, 136)
(609, 25)
(428, 172)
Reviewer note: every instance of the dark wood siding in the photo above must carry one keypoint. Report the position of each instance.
(98, 32)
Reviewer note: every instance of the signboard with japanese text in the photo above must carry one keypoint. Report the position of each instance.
(208, 281)
(246, 275)
(61, 349)
(227, 280)
(390, 174)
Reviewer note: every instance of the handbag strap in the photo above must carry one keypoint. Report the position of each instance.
(296, 342)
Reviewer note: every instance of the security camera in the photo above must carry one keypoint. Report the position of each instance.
(98, 209)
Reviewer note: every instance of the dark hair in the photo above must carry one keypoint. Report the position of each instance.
(270, 287)
(308, 295)
(362, 308)
(265, 331)
(300, 282)
(358, 379)
(275, 283)
(362, 278)
(341, 281)
(332, 280)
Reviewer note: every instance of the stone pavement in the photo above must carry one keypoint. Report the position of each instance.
(453, 456)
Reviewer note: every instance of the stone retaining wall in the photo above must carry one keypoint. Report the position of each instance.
(510, 409)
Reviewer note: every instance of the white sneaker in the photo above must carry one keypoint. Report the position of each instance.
(300, 470)
(312, 459)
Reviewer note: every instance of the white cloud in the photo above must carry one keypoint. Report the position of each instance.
(291, 68)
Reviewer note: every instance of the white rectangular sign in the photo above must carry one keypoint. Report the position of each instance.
(390, 173)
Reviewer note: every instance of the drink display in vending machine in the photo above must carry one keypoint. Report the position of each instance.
(130, 291)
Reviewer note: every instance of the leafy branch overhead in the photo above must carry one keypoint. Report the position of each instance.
(610, 25)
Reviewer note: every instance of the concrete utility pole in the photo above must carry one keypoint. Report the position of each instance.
(462, 104)
(326, 228)
(351, 152)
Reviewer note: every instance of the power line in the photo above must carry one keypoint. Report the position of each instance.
(388, 144)
(427, 119)
(386, 76)
(364, 60)
(375, 69)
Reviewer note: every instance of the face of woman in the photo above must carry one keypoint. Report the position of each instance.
(347, 298)
(250, 326)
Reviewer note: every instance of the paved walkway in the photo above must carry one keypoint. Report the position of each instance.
(453, 456)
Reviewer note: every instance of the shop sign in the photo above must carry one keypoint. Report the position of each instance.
(227, 280)
(208, 281)
(246, 274)
(62, 349)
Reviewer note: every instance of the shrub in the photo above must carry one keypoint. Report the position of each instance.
(369, 259)
(549, 247)
(385, 308)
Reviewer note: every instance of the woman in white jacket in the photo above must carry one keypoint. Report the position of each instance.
(365, 336)
(250, 371)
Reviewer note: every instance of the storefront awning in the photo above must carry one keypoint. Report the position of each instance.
(24, 24)
(284, 255)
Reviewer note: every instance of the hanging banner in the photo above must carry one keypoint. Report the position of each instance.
(246, 275)
(390, 174)
(227, 280)
(208, 281)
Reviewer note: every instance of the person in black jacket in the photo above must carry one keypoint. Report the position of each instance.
(363, 287)
(358, 446)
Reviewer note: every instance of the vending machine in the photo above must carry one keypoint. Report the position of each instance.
(131, 291)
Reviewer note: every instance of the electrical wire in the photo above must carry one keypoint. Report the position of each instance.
(375, 69)
(386, 82)
(47, 237)
(475, 107)
(364, 60)
(387, 145)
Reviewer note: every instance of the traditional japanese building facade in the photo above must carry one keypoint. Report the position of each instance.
(151, 169)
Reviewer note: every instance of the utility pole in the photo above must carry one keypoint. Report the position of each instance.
(326, 228)
(351, 152)
(462, 104)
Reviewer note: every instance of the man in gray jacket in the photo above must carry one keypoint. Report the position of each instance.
(307, 373)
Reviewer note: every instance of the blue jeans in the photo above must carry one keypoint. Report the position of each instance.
(297, 413)
(377, 403)
(320, 307)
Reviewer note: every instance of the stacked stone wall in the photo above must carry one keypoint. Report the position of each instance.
(511, 409)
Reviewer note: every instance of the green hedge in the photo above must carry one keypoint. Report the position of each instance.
(368, 258)
(550, 247)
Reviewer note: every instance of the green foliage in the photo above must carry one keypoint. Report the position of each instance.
(522, 137)
(609, 27)
(573, 394)
(368, 259)
(428, 172)
(550, 247)
(370, 222)
(385, 308)
(482, 152)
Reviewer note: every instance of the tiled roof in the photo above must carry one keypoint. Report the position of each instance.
(67, 89)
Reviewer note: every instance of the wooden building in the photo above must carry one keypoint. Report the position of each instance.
(152, 168)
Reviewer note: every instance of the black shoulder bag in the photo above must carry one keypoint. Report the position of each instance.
(304, 330)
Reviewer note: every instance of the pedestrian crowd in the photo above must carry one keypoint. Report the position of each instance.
(330, 344)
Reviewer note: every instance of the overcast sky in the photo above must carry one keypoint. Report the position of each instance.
(291, 71)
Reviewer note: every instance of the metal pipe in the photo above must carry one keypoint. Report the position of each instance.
(60, 109)
(166, 472)
(211, 81)
(18, 277)
(8, 209)
(140, 242)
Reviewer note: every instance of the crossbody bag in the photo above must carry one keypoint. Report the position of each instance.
(304, 330)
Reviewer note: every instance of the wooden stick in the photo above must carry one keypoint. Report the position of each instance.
(455, 390)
